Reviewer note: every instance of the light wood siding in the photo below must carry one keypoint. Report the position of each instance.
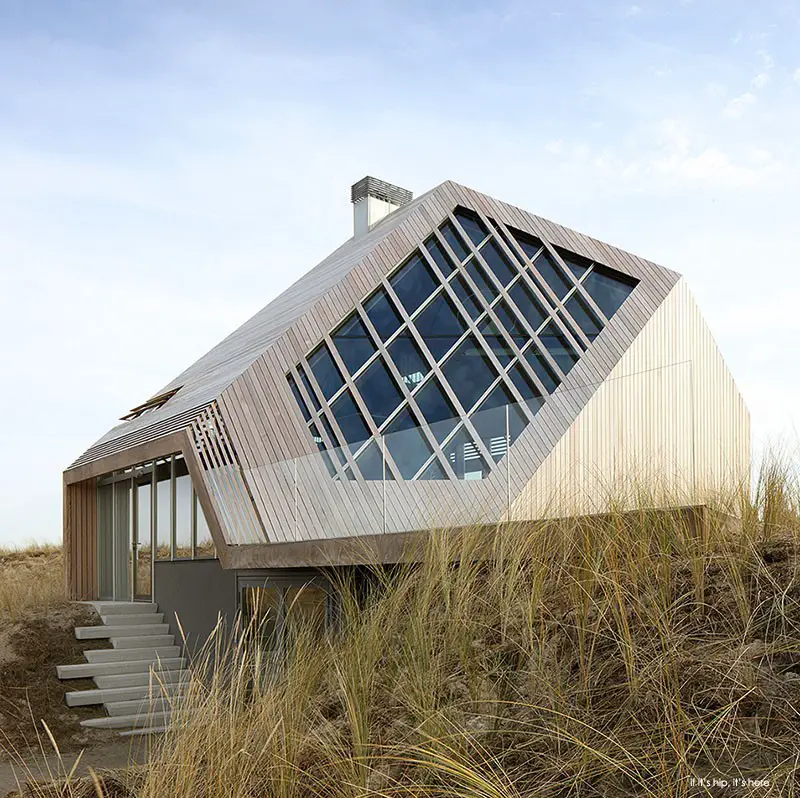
(293, 319)
(80, 540)
(669, 419)
(267, 431)
(245, 379)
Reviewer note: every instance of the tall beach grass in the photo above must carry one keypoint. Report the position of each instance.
(629, 653)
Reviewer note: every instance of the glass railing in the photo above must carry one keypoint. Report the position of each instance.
(507, 462)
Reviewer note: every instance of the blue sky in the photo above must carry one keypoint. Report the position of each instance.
(167, 168)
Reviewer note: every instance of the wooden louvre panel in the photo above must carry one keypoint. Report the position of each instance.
(80, 540)
(222, 475)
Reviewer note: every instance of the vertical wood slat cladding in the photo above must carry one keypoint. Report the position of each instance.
(80, 540)
(266, 430)
(669, 416)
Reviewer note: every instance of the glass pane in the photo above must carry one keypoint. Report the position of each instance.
(183, 517)
(163, 510)
(511, 324)
(559, 348)
(379, 391)
(505, 238)
(435, 470)
(608, 290)
(205, 543)
(440, 326)
(335, 442)
(542, 368)
(437, 409)
(328, 376)
(496, 342)
(353, 342)
(498, 263)
(529, 392)
(260, 608)
(464, 457)
(490, 421)
(414, 283)
(530, 245)
(482, 281)
(350, 421)
(299, 398)
(528, 305)
(440, 257)
(305, 609)
(407, 444)
(575, 263)
(469, 372)
(144, 553)
(307, 385)
(472, 226)
(382, 313)
(320, 441)
(467, 297)
(551, 273)
(455, 241)
(583, 316)
(408, 359)
(370, 461)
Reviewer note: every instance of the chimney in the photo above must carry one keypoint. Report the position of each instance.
(373, 200)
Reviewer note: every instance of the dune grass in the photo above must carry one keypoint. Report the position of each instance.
(626, 654)
(30, 578)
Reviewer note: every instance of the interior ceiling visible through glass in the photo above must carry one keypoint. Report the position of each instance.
(443, 366)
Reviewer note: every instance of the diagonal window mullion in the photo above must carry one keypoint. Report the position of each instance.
(324, 412)
(577, 338)
(489, 313)
(316, 420)
(333, 424)
(411, 402)
(586, 297)
(367, 416)
(442, 379)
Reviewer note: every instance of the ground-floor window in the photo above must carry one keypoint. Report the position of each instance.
(273, 607)
(147, 509)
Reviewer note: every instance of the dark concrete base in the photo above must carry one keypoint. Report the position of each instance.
(198, 592)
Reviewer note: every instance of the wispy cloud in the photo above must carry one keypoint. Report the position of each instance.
(169, 168)
(738, 106)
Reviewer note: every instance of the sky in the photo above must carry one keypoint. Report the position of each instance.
(167, 168)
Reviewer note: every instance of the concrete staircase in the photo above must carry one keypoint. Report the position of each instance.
(139, 679)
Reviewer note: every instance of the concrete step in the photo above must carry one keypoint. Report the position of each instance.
(145, 706)
(124, 607)
(93, 669)
(144, 641)
(142, 732)
(105, 632)
(132, 620)
(132, 654)
(85, 698)
(155, 719)
(141, 679)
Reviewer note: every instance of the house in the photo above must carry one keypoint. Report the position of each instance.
(457, 361)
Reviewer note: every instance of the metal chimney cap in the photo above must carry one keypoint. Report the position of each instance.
(380, 189)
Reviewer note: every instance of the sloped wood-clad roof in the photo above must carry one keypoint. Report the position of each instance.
(208, 377)
(301, 315)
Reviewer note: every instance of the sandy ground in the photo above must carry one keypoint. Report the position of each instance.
(103, 757)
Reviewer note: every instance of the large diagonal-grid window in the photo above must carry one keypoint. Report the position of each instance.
(453, 354)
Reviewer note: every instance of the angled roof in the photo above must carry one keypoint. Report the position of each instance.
(210, 376)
